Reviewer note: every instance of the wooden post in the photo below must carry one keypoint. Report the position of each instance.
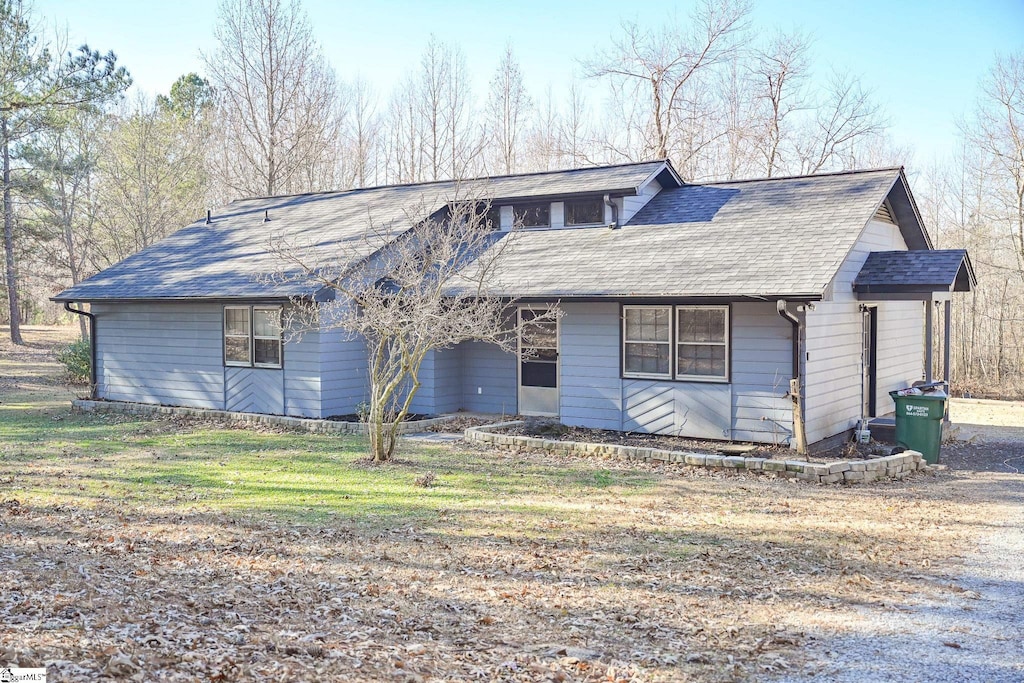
(928, 305)
(947, 326)
(799, 434)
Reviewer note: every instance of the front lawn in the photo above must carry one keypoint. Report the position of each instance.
(170, 549)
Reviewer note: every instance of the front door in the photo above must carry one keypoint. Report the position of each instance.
(538, 364)
(870, 357)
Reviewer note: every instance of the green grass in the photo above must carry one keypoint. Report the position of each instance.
(58, 457)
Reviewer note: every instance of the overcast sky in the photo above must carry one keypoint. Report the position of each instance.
(922, 58)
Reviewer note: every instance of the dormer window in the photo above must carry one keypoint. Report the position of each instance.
(584, 211)
(532, 215)
(492, 218)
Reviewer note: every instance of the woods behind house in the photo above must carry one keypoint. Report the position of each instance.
(92, 175)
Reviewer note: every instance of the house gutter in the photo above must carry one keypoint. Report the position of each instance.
(615, 211)
(795, 391)
(92, 344)
(780, 306)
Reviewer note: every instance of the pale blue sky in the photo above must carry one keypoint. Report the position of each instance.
(923, 58)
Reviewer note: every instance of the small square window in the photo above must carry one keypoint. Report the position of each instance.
(252, 336)
(584, 212)
(532, 215)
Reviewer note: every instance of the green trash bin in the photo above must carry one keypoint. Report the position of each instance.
(919, 422)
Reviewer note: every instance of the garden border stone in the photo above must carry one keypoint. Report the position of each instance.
(844, 472)
(313, 425)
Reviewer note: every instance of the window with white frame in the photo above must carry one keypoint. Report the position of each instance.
(252, 336)
(647, 341)
(702, 341)
(237, 330)
(676, 342)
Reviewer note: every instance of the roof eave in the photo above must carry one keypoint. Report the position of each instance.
(256, 298)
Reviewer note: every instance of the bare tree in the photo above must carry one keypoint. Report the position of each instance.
(277, 98)
(779, 70)
(400, 302)
(361, 134)
(847, 114)
(403, 144)
(660, 67)
(508, 107)
(151, 179)
(573, 129)
(999, 132)
(543, 143)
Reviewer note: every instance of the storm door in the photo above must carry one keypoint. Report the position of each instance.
(538, 364)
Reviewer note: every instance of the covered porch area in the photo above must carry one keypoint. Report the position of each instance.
(929, 276)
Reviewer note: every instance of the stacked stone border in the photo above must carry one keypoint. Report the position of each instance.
(847, 472)
(308, 424)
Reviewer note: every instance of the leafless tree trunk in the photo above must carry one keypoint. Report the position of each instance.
(401, 302)
(847, 114)
(277, 97)
(660, 67)
(10, 272)
(363, 133)
(779, 71)
(508, 107)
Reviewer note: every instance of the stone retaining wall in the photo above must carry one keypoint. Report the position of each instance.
(850, 472)
(308, 424)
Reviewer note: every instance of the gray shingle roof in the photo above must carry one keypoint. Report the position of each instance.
(771, 237)
(915, 271)
(227, 258)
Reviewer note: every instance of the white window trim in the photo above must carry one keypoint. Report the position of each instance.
(251, 363)
(668, 343)
(673, 344)
(725, 344)
(247, 335)
(280, 344)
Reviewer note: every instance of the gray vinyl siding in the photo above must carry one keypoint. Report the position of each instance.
(590, 384)
(489, 379)
(900, 350)
(302, 359)
(167, 354)
(343, 372)
(254, 390)
(447, 381)
(698, 410)
(752, 407)
(423, 402)
(833, 375)
(762, 364)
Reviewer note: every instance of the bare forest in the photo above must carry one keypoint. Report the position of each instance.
(93, 173)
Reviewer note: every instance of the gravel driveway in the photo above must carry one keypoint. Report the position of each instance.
(976, 632)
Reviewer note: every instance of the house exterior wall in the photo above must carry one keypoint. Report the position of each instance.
(489, 378)
(590, 387)
(752, 406)
(167, 354)
(833, 375)
(254, 390)
(171, 354)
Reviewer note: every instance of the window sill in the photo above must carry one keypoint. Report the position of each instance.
(679, 380)
(638, 375)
